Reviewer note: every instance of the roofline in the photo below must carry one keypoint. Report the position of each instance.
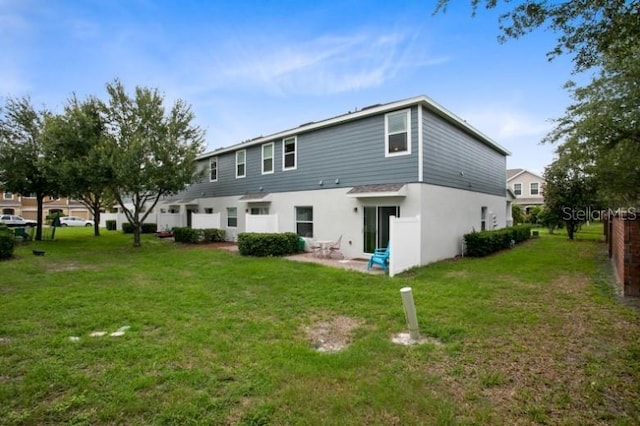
(425, 101)
(521, 172)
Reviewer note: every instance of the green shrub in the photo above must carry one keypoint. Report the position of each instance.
(479, 244)
(257, 244)
(186, 235)
(147, 228)
(213, 235)
(111, 225)
(7, 242)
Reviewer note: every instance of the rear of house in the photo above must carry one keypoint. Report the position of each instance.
(348, 175)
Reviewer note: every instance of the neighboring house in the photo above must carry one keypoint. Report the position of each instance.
(27, 206)
(347, 175)
(528, 188)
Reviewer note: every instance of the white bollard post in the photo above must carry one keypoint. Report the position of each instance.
(410, 312)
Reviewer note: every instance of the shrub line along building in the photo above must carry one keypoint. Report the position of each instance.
(348, 175)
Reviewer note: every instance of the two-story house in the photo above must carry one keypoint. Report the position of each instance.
(27, 206)
(347, 175)
(528, 188)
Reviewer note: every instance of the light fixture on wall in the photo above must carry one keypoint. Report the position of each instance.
(355, 209)
(260, 189)
(321, 183)
(337, 181)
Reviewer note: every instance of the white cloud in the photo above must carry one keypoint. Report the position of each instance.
(324, 65)
(507, 123)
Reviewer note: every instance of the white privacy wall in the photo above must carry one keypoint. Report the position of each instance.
(205, 220)
(449, 214)
(405, 244)
(261, 223)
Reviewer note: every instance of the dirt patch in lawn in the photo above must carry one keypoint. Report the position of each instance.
(333, 335)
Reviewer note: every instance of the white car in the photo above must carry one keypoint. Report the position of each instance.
(13, 220)
(74, 221)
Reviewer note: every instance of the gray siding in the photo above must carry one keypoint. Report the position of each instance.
(449, 151)
(353, 152)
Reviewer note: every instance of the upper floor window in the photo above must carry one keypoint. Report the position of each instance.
(8, 195)
(483, 218)
(267, 158)
(397, 133)
(534, 188)
(289, 153)
(517, 188)
(213, 169)
(241, 163)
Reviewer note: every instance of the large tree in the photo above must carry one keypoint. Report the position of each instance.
(23, 163)
(77, 149)
(152, 150)
(569, 193)
(586, 29)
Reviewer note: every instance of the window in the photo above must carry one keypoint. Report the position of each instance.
(267, 158)
(259, 210)
(304, 221)
(208, 210)
(241, 162)
(213, 169)
(232, 217)
(289, 154)
(533, 188)
(483, 219)
(8, 195)
(397, 134)
(517, 188)
(8, 211)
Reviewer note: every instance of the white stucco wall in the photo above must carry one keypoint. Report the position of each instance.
(449, 214)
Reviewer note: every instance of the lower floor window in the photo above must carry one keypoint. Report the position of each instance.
(259, 210)
(304, 221)
(232, 217)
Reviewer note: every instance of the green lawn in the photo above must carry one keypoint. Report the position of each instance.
(532, 335)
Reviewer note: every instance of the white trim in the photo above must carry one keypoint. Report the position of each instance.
(525, 171)
(531, 193)
(295, 153)
(407, 115)
(273, 156)
(521, 189)
(215, 157)
(420, 146)
(244, 151)
(425, 101)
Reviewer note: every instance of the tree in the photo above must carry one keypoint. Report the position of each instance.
(602, 128)
(517, 214)
(23, 163)
(151, 151)
(569, 193)
(77, 147)
(549, 219)
(588, 29)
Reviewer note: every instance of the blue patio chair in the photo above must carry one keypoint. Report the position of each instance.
(380, 257)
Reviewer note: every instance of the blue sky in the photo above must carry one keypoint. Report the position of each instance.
(251, 68)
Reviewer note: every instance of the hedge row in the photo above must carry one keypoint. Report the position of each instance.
(259, 244)
(7, 242)
(147, 228)
(192, 236)
(484, 243)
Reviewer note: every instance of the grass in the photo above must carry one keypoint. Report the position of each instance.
(533, 335)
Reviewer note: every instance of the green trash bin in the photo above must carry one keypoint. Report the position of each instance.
(301, 244)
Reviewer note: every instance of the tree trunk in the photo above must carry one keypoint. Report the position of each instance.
(137, 230)
(96, 221)
(40, 199)
(571, 227)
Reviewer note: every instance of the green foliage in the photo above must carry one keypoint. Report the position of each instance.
(213, 235)
(517, 214)
(186, 235)
(193, 236)
(263, 244)
(7, 242)
(532, 215)
(479, 244)
(111, 225)
(146, 228)
(152, 150)
(569, 193)
(549, 219)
